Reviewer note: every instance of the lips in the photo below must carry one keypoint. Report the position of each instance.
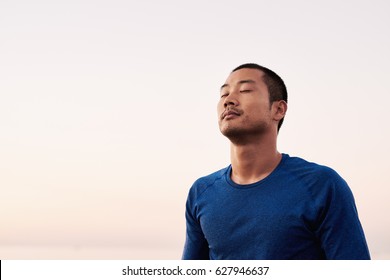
(230, 113)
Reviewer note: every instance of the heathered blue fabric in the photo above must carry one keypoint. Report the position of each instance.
(300, 211)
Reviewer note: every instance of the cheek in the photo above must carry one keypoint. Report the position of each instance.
(220, 108)
(259, 112)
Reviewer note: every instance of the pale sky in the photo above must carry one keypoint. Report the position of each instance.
(108, 113)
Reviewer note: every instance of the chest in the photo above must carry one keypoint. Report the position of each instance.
(256, 222)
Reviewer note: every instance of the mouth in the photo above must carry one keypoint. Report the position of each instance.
(229, 114)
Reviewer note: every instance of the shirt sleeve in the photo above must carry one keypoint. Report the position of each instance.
(196, 246)
(340, 231)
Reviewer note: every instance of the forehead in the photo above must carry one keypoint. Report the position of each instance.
(245, 74)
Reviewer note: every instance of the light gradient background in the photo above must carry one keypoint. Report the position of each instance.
(108, 113)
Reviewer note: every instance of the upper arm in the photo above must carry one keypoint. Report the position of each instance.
(196, 246)
(340, 231)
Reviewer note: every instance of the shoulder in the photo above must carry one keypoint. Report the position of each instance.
(208, 181)
(318, 177)
(321, 185)
(303, 168)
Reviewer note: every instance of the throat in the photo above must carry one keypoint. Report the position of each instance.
(253, 166)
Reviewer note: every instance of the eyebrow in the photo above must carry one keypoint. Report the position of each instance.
(239, 82)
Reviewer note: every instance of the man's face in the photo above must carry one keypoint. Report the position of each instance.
(244, 108)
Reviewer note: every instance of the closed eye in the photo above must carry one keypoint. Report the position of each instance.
(224, 95)
(245, 90)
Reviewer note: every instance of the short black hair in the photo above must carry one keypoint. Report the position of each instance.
(276, 87)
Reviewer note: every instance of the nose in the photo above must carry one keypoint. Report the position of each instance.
(230, 100)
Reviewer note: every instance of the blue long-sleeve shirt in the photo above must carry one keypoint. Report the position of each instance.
(300, 211)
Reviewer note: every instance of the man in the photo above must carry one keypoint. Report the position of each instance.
(268, 205)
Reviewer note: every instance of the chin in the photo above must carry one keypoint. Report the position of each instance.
(240, 134)
(232, 132)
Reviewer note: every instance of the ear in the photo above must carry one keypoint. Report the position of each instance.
(279, 109)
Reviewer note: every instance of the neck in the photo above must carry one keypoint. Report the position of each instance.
(253, 161)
